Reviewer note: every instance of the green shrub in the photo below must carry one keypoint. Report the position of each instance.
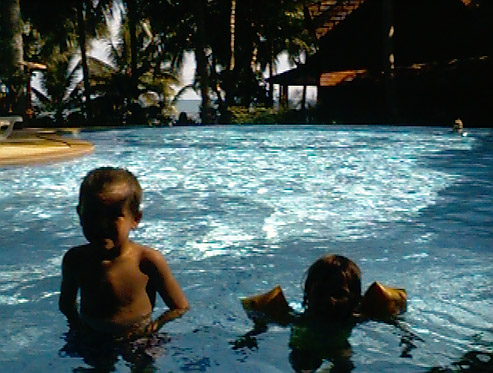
(268, 115)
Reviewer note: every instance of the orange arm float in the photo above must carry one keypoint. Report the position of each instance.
(272, 305)
(383, 302)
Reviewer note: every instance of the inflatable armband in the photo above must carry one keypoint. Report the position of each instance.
(271, 305)
(383, 302)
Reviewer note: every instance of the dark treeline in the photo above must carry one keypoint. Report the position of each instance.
(233, 43)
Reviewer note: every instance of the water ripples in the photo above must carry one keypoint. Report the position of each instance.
(410, 205)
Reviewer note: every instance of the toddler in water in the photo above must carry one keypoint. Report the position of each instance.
(117, 278)
(332, 288)
(332, 305)
(332, 292)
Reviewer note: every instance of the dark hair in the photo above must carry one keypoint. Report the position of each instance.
(339, 280)
(97, 180)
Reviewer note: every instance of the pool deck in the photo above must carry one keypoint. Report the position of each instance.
(35, 146)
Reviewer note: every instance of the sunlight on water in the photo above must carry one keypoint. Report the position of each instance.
(214, 193)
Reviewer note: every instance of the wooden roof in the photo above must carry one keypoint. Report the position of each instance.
(334, 78)
(302, 76)
(351, 37)
(297, 76)
(324, 15)
(424, 31)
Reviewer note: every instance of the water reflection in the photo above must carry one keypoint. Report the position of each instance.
(313, 345)
(103, 354)
(310, 345)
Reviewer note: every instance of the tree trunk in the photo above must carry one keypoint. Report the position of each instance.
(389, 84)
(232, 26)
(132, 24)
(201, 57)
(303, 99)
(14, 17)
(271, 74)
(12, 54)
(81, 29)
(228, 73)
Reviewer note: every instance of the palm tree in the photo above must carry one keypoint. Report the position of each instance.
(62, 87)
(123, 80)
(132, 25)
(199, 12)
(11, 71)
(232, 27)
(66, 28)
(11, 30)
(276, 24)
(81, 7)
(257, 34)
(184, 29)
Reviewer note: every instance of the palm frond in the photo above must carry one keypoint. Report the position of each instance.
(182, 91)
(40, 95)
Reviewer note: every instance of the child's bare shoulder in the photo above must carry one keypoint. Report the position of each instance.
(76, 253)
(149, 254)
(152, 261)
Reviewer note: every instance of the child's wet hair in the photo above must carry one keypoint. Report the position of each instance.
(337, 278)
(97, 180)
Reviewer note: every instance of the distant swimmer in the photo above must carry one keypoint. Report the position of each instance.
(459, 127)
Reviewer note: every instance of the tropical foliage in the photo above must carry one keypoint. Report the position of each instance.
(234, 42)
(131, 92)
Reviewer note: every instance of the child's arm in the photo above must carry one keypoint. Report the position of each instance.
(69, 288)
(164, 318)
(168, 288)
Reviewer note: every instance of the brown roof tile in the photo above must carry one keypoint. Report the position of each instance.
(325, 15)
(333, 78)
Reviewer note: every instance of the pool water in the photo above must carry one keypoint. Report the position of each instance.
(237, 210)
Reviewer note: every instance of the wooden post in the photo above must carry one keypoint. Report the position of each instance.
(284, 97)
(389, 61)
(303, 98)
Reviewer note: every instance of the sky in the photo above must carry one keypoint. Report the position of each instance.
(283, 64)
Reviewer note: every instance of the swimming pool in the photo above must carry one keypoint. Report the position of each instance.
(239, 209)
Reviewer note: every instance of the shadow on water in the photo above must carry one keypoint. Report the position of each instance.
(408, 338)
(470, 195)
(309, 347)
(478, 359)
(102, 354)
(471, 361)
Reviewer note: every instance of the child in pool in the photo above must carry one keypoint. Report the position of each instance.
(332, 305)
(332, 292)
(117, 278)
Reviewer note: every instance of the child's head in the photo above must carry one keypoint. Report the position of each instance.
(332, 288)
(100, 180)
(109, 205)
